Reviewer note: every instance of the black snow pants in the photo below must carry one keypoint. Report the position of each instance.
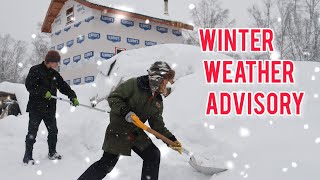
(150, 169)
(50, 121)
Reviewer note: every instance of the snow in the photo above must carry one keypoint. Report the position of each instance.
(267, 152)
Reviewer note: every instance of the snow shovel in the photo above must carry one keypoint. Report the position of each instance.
(83, 105)
(192, 161)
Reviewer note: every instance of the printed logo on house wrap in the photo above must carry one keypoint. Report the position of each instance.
(57, 33)
(176, 32)
(89, 19)
(88, 55)
(89, 79)
(66, 61)
(127, 23)
(94, 36)
(80, 8)
(60, 46)
(162, 29)
(67, 28)
(80, 39)
(133, 41)
(77, 58)
(70, 43)
(77, 24)
(113, 38)
(144, 26)
(106, 55)
(77, 81)
(107, 19)
(150, 43)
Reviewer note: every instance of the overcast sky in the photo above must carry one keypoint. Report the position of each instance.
(20, 17)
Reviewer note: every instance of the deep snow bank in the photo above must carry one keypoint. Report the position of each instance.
(264, 148)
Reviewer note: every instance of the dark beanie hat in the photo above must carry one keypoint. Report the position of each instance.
(53, 56)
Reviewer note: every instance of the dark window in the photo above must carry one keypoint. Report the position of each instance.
(70, 16)
(69, 11)
(119, 50)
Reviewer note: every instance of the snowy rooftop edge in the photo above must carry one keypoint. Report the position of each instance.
(138, 12)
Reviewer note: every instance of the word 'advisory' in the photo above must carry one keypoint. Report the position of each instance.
(257, 73)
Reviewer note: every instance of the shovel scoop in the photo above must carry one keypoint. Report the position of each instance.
(192, 161)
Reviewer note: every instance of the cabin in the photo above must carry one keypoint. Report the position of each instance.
(87, 32)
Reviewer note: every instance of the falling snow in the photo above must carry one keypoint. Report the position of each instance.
(64, 50)
(72, 109)
(87, 160)
(284, 169)
(244, 132)
(79, 131)
(191, 6)
(205, 124)
(294, 164)
(235, 155)
(39, 172)
(313, 77)
(229, 164)
(174, 65)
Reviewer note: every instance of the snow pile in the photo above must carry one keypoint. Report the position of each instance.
(257, 147)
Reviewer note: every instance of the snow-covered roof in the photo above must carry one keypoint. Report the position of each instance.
(134, 9)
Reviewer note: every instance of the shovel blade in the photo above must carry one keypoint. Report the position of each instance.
(206, 170)
(202, 169)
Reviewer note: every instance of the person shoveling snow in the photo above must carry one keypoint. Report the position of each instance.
(42, 82)
(137, 97)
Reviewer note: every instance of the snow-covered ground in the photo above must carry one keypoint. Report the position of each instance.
(257, 148)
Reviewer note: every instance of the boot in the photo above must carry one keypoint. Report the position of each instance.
(54, 156)
(27, 159)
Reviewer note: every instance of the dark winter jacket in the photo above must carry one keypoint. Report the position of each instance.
(133, 95)
(40, 80)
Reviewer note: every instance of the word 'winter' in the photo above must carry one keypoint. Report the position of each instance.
(247, 71)
(226, 40)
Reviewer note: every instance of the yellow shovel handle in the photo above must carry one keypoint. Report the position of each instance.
(141, 125)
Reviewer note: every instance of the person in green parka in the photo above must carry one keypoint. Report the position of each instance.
(142, 97)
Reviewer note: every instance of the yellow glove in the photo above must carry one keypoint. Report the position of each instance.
(178, 147)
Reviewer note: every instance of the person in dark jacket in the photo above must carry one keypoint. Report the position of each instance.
(42, 82)
(136, 97)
